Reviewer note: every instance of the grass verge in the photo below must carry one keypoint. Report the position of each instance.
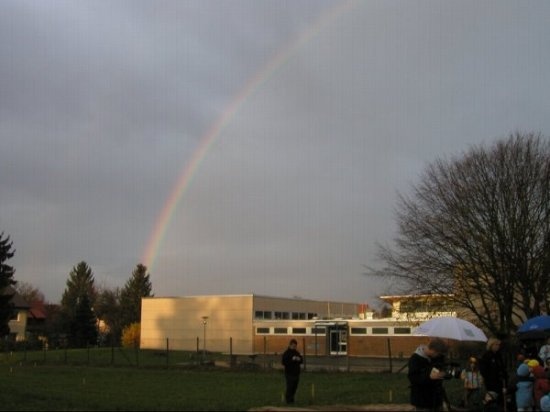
(68, 387)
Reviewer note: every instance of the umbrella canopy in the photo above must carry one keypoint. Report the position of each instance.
(449, 327)
(535, 328)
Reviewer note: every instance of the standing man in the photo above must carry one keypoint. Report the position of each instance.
(426, 375)
(493, 370)
(291, 361)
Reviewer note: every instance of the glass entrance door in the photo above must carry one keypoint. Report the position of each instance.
(338, 341)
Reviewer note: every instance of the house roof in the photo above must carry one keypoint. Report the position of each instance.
(37, 311)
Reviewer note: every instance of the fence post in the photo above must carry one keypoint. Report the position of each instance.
(167, 352)
(112, 352)
(316, 352)
(347, 354)
(265, 352)
(304, 346)
(389, 355)
(198, 345)
(231, 359)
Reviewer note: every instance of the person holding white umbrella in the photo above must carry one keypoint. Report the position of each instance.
(426, 364)
(426, 376)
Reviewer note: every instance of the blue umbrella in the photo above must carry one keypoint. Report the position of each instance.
(534, 328)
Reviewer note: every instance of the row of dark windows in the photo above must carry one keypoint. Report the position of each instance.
(322, 331)
(381, 331)
(293, 331)
(268, 314)
(410, 306)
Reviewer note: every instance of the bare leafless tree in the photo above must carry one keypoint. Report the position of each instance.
(29, 293)
(477, 226)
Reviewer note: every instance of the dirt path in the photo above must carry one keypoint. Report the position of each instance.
(373, 407)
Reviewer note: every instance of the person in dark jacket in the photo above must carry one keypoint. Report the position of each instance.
(493, 370)
(426, 375)
(291, 361)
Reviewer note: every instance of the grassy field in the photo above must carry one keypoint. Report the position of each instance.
(33, 385)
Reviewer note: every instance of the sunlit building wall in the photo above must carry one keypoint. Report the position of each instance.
(254, 324)
(224, 323)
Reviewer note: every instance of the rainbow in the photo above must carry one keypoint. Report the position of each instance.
(278, 60)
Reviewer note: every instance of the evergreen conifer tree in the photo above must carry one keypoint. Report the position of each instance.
(138, 286)
(79, 293)
(84, 326)
(6, 280)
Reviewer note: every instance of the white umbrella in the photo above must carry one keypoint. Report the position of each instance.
(449, 327)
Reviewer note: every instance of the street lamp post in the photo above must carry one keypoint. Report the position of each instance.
(204, 321)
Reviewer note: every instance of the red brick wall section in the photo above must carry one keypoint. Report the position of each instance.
(278, 344)
(380, 346)
(376, 346)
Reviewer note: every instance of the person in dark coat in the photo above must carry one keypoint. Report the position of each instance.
(493, 370)
(426, 375)
(291, 361)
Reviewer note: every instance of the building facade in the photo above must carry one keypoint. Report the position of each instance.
(18, 320)
(255, 324)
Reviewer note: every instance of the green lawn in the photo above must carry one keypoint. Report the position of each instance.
(65, 387)
(129, 380)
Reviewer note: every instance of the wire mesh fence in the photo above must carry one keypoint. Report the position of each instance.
(176, 354)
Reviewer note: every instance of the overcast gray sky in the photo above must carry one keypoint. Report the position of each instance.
(104, 103)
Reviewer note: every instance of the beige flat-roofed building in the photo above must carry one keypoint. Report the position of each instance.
(224, 323)
(251, 324)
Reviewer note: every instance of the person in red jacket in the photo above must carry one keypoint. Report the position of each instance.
(542, 384)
